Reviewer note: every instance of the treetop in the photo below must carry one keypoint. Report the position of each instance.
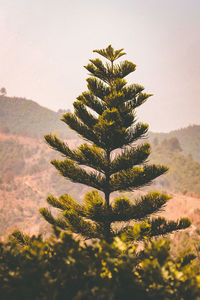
(110, 53)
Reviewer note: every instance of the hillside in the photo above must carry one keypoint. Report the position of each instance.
(188, 137)
(20, 116)
(25, 117)
(184, 172)
(27, 177)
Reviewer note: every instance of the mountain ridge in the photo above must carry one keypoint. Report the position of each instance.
(26, 117)
(26, 175)
(189, 138)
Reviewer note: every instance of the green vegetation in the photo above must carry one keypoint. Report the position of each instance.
(112, 127)
(184, 172)
(26, 117)
(64, 268)
(114, 264)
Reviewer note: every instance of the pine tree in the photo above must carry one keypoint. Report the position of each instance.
(105, 117)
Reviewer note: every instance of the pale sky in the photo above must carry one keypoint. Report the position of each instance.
(46, 43)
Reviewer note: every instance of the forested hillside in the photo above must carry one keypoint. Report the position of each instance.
(188, 137)
(184, 172)
(26, 117)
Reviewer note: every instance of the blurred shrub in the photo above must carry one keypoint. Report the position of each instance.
(64, 268)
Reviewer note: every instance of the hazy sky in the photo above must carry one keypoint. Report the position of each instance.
(46, 43)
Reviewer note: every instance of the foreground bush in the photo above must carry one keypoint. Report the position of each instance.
(64, 268)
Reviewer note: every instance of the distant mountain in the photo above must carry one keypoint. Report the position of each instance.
(188, 137)
(25, 117)
(184, 172)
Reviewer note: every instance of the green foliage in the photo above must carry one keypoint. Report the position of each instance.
(167, 278)
(65, 268)
(105, 117)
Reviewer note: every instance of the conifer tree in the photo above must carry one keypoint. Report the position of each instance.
(104, 116)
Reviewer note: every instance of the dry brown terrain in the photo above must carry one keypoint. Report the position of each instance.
(21, 197)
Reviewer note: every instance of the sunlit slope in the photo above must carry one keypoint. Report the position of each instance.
(26, 117)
